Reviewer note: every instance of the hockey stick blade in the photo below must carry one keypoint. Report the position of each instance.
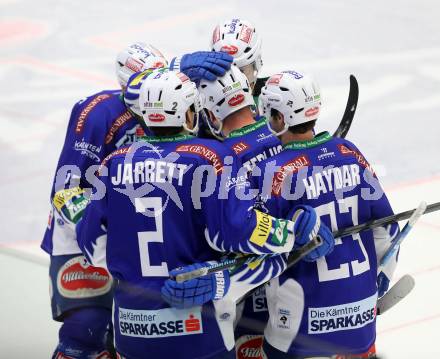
(418, 212)
(397, 292)
(350, 109)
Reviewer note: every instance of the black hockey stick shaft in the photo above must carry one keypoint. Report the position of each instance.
(374, 224)
(350, 109)
(382, 221)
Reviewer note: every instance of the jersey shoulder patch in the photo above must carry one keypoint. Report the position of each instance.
(94, 106)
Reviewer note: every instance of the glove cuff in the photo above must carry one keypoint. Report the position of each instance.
(175, 63)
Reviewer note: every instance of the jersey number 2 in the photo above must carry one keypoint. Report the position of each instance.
(144, 238)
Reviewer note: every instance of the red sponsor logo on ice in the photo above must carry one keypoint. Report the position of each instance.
(236, 100)
(290, 167)
(78, 279)
(156, 117)
(84, 113)
(204, 152)
(230, 49)
(246, 33)
(312, 111)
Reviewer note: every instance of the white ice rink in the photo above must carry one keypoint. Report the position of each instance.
(54, 52)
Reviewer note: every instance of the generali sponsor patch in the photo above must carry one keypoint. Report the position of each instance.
(342, 317)
(290, 167)
(78, 279)
(119, 122)
(359, 157)
(85, 113)
(168, 322)
(121, 151)
(204, 152)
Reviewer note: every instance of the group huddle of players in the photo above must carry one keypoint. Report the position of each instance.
(182, 166)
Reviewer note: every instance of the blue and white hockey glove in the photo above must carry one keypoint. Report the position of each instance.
(195, 292)
(307, 226)
(383, 282)
(199, 65)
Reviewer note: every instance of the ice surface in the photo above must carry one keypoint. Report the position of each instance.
(55, 52)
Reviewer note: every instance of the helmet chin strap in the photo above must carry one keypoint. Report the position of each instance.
(217, 133)
(195, 128)
(286, 127)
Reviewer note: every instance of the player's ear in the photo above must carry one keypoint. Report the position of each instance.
(189, 119)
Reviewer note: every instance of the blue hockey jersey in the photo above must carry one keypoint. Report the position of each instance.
(329, 306)
(253, 144)
(170, 202)
(98, 125)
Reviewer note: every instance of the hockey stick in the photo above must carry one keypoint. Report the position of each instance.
(350, 109)
(382, 221)
(397, 292)
(418, 212)
(234, 263)
(231, 263)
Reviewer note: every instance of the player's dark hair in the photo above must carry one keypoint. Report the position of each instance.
(301, 128)
(165, 131)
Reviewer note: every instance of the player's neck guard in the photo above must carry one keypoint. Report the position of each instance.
(300, 145)
(174, 138)
(247, 129)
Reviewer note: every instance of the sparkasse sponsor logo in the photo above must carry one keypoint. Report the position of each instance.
(342, 317)
(160, 323)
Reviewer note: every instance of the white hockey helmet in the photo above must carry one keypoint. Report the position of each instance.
(240, 40)
(224, 96)
(295, 95)
(165, 97)
(135, 58)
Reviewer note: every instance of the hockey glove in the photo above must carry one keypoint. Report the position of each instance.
(206, 65)
(383, 282)
(307, 226)
(195, 292)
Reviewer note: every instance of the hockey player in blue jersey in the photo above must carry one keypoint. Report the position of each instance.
(328, 307)
(171, 200)
(81, 294)
(231, 119)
